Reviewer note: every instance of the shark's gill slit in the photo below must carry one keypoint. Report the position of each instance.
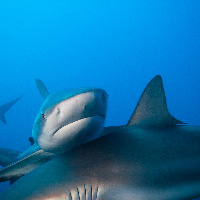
(97, 192)
(84, 190)
(91, 192)
(70, 195)
(78, 193)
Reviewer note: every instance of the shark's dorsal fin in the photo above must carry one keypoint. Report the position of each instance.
(151, 110)
(4, 108)
(42, 88)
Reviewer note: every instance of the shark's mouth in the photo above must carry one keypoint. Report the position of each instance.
(90, 118)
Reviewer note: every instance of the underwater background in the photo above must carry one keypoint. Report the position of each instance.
(112, 44)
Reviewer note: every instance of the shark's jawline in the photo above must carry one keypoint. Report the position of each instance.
(103, 116)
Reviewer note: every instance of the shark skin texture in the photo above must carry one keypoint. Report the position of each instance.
(153, 157)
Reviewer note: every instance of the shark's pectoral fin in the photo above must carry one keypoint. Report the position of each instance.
(24, 164)
(151, 110)
(8, 156)
(42, 88)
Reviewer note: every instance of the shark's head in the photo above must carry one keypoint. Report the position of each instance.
(69, 118)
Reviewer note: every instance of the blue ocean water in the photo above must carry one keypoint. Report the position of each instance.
(112, 44)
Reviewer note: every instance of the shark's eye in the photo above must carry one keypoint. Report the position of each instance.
(44, 116)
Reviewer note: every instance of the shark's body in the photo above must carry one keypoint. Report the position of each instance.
(128, 164)
(151, 158)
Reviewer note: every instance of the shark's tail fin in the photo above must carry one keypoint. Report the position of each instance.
(151, 110)
(4, 108)
(8, 156)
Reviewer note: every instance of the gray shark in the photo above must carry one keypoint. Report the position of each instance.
(66, 119)
(5, 107)
(154, 156)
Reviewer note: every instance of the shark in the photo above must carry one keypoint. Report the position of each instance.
(154, 156)
(66, 119)
(5, 107)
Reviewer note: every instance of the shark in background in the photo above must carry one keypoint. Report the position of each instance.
(153, 156)
(6, 156)
(5, 107)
